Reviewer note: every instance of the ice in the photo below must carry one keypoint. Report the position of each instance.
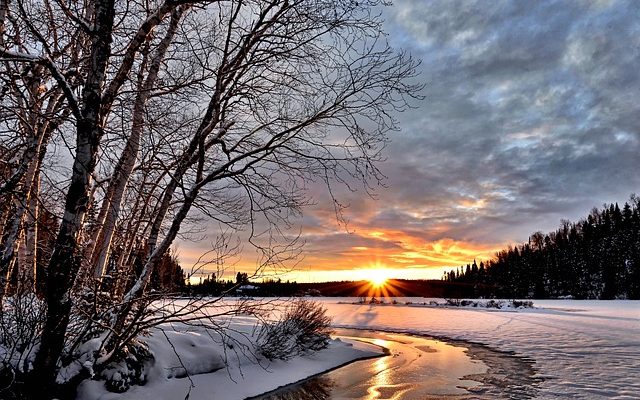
(583, 349)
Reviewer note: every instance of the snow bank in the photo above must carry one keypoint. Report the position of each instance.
(458, 303)
(191, 360)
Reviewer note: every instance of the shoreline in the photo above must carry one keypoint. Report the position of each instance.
(507, 373)
(385, 353)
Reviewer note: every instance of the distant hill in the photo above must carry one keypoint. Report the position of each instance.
(597, 257)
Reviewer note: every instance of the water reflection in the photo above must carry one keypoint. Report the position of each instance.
(382, 385)
(417, 368)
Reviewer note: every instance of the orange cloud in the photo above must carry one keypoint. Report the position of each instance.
(407, 251)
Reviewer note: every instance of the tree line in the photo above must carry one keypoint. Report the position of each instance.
(211, 285)
(597, 257)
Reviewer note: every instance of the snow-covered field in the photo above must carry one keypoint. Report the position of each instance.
(582, 349)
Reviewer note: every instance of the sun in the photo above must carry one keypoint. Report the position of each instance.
(377, 277)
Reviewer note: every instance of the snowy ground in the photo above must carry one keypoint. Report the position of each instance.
(180, 349)
(582, 349)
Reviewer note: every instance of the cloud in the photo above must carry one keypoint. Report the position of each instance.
(528, 108)
(530, 116)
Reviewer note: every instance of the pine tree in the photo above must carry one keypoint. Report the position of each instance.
(597, 257)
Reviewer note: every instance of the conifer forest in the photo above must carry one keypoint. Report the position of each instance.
(597, 257)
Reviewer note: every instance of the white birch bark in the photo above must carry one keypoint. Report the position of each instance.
(127, 160)
(29, 240)
(23, 201)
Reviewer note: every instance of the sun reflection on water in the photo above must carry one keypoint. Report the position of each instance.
(416, 368)
(381, 385)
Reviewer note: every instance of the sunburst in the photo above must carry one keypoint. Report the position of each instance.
(377, 277)
(378, 282)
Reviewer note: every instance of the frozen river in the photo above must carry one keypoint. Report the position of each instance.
(418, 368)
(560, 350)
(579, 349)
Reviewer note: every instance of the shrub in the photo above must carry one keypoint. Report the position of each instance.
(453, 302)
(522, 304)
(128, 369)
(304, 327)
(494, 304)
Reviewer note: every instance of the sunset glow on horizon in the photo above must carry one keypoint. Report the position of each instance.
(390, 255)
(335, 252)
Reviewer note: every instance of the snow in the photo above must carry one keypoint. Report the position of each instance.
(181, 349)
(582, 349)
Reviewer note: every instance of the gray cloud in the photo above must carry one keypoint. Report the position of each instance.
(530, 105)
(531, 108)
(531, 115)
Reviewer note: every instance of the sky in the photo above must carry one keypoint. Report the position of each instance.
(531, 115)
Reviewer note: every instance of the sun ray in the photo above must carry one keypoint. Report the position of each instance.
(377, 277)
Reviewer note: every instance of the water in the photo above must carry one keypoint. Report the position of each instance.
(417, 368)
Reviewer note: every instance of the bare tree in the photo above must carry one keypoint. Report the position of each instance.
(179, 109)
(31, 111)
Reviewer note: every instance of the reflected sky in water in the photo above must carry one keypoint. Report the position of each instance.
(417, 368)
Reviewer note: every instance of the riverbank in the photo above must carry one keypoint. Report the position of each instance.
(192, 362)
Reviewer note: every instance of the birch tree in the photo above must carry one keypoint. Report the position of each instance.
(222, 109)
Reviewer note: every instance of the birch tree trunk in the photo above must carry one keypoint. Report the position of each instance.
(113, 200)
(65, 263)
(37, 125)
(24, 199)
(29, 253)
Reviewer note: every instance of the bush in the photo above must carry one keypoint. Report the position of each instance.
(304, 327)
(522, 304)
(494, 304)
(128, 369)
(453, 302)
